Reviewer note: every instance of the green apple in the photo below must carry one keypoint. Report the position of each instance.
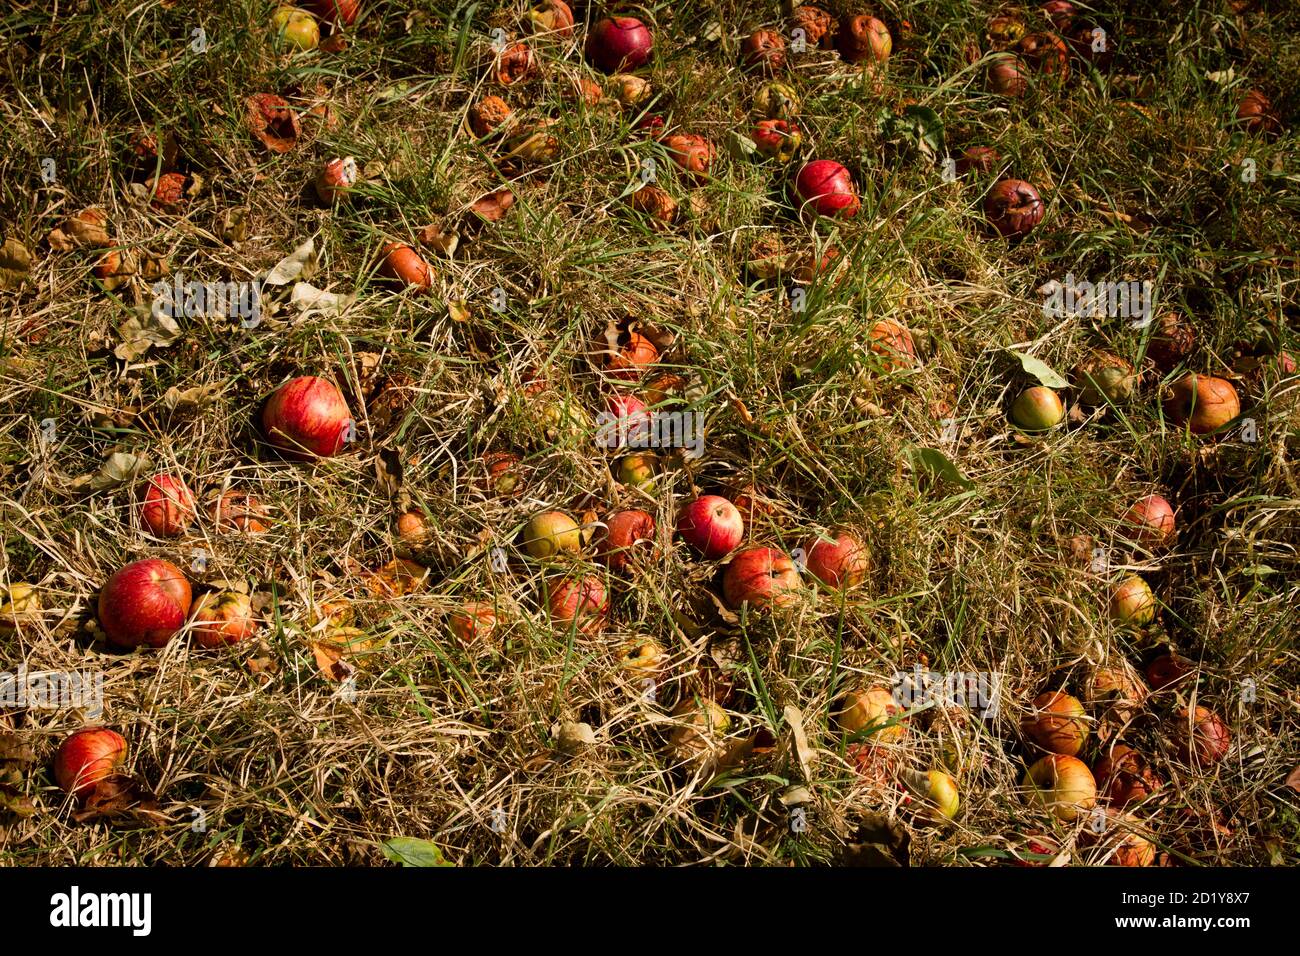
(296, 27)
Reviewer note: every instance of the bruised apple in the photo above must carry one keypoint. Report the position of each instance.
(1124, 776)
(626, 533)
(86, 757)
(236, 511)
(1013, 208)
(473, 622)
(146, 602)
(762, 577)
(1203, 739)
(222, 618)
(168, 507)
(580, 602)
(1202, 402)
(862, 38)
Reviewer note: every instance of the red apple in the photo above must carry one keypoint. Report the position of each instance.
(763, 50)
(223, 618)
(336, 12)
(144, 603)
(1060, 13)
(581, 602)
(631, 359)
(619, 43)
(335, 179)
(777, 138)
(1037, 409)
(1150, 520)
(763, 577)
(1132, 603)
(711, 525)
(1203, 739)
(1168, 669)
(1202, 402)
(1062, 784)
(1255, 112)
(1008, 75)
(827, 188)
(625, 531)
(1013, 208)
(840, 563)
(1057, 723)
(168, 507)
(863, 38)
(1124, 776)
(893, 342)
(1122, 844)
(307, 417)
(1046, 53)
(473, 622)
(86, 757)
(693, 153)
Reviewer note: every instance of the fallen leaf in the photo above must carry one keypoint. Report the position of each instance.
(191, 398)
(233, 225)
(15, 264)
(936, 463)
(1040, 370)
(397, 578)
(299, 264)
(412, 851)
(807, 757)
(121, 800)
(272, 121)
(13, 747)
(85, 230)
(147, 328)
(308, 299)
(388, 471)
(459, 311)
(435, 238)
(118, 469)
(1293, 779)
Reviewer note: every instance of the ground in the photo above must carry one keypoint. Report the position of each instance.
(294, 748)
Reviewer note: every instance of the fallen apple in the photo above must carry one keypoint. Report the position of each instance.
(871, 714)
(699, 722)
(616, 44)
(938, 793)
(1132, 603)
(1124, 776)
(1167, 670)
(306, 417)
(1062, 784)
(1202, 402)
(763, 50)
(1103, 377)
(776, 101)
(551, 16)
(222, 618)
(403, 264)
(550, 534)
(1057, 723)
(1120, 840)
(693, 153)
(473, 623)
(711, 525)
(825, 187)
(20, 605)
(1059, 13)
(145, 602)
(580, 602)
(817, 25)
(489, 115)
(893, 343)
(1037, 409)
(1013, 208)
(515, 64)
(335, 179)
(751, 504)
(1255, 112)
(981, 159)
(236, 511)
(1203, 739)
(1171, 342)
(87, 757)
(1150, 520)
(840, 563)
(337, 12)
(634, 354)
(761, 577)
(862, 38)
(777, 139)
(643, 657)
(1047, 54)
(168, 507)
(296, 27)
(1008, 76)
(638, 470)
(1006, 28)
(630, 90)
(625, 534)
(650, 200)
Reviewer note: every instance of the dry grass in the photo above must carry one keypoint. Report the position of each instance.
(440, 740)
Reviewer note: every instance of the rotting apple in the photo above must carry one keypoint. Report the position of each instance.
(401, 263)
(777, 139)
(1059, 13)
(581, 89)
(1062, 784)
(655, 202)
(699, 722)
(489, 115)
(306, 417)
(1150, 520)
(1013, 208)
(580, 602)
(871, 714)
(817, 25)
(1203, 739)
(843, 562)
(827, 188)
(237, 511)
(86, 757)
(711, 525)
(296, 27)
(145, 602)
(638, 470)
(692, 153)
(551, 534)
(337, 12)
(222, 618)
(626, 533)
(168, 507)
(1037, 409)
(168, 191)
(862, 38)
(1120, 840)
(1255, 112)
(761, 577)
(1171, 342)
(474, 622)
(1057, 723)
(776, 101)
(1006, 28)
(630, 90)
(628, 362)
(763, 50)
(335, 179)
(1132, 603)
(1047, 54)
(751, 504)
(617, 44)
(20, 605)
(1104, 377)
(1167, 670)
(981, 159)
(551, 16)
(1124, 776)
(412, 528)
(515, 64)
(938, 793)
(1202, 402)
(893, 342)
(642, 657)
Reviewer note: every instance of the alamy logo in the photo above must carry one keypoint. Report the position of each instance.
(975, 690)
(231, 300)
(53, 690)
(74, 909)
(1126, 300)
(644, 429)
